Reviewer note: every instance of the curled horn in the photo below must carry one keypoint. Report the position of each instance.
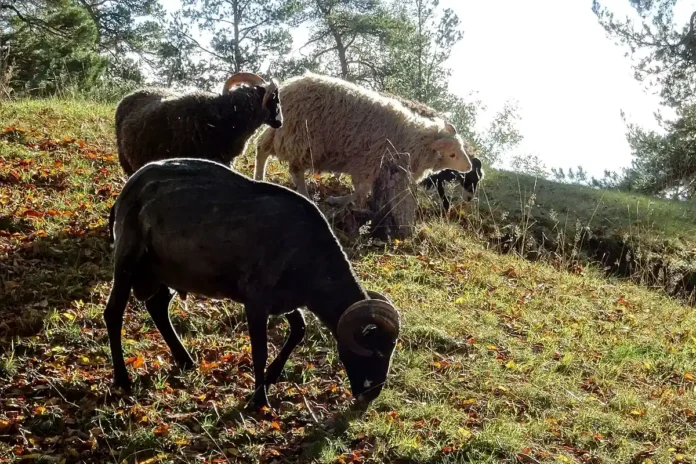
(270, 89)
(378, 296)
(375, 311)
(242, 78)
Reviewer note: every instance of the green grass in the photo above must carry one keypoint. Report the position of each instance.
(501, 359)
(647, 239)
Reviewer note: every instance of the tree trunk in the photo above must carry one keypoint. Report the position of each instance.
(393, 203)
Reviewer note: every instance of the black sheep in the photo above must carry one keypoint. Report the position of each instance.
(196, 226)
(469, 181)
(155, 124)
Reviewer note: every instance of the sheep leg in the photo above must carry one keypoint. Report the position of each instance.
(297, 330)
(257, 320)
(158, 307)
(260, 166)
(298, 178)
(362, 190)
(113, 317)
(443, 196)
(359, 196)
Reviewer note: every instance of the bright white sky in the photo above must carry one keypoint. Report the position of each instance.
(570, 81)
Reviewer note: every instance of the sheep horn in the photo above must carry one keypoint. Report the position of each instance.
(270, 88)
(378, 296)
(373, 311)
(242, 78)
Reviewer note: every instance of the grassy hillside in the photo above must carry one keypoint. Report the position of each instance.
(649, 240)
(501, 359)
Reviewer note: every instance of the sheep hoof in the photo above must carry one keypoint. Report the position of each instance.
(187, 364)
(260, 400)
(124, 384)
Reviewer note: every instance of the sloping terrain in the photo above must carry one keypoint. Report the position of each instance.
(501, 360)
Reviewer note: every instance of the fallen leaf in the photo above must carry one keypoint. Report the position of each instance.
(136, 361)
(160, 430)
(206, 366)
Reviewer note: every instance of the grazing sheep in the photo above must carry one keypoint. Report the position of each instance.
(196, 226)
(335, 126)
(469, 181)
(159, 124)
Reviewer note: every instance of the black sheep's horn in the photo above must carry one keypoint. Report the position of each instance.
(375, 311)
(242, 78)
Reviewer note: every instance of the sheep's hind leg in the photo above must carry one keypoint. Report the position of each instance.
(158, 307)
(297, 331)
(359, 196)
(113, 317)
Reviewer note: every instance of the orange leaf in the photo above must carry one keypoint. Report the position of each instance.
(275, 425)
(136, 361)
(161, 430)
(206, 366)
(689, 377)
(32, 213)
(39, 410)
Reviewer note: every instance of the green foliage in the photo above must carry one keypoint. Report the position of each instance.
(349, 39)
(422, 50)
(48, 43)
(665, 52)
(665, 163)
(665, 55)
(245, 35)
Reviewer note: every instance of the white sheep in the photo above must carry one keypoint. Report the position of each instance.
(330, 125)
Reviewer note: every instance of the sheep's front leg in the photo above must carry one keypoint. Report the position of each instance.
(113, 317)
(298, 178)
(257, 319)
(443, 196)
(158, 307)
(297, 331)
(260, 166)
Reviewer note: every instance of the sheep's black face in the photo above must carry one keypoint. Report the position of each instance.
(368, 374)
(273, 110)
(473, 177)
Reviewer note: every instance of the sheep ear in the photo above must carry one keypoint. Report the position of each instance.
(450, 129)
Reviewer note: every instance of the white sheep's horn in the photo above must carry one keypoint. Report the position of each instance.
(242, 78)
(363, 313)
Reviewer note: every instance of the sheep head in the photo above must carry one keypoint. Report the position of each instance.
(270, 100)
(450, 150)
(367, 333)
